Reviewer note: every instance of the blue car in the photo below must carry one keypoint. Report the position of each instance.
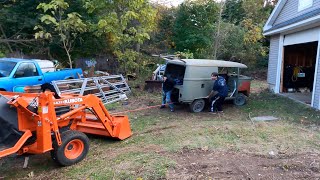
(16, 73)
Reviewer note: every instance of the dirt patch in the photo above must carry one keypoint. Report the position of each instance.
(204, 164)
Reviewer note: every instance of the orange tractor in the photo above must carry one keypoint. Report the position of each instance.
(36, 123)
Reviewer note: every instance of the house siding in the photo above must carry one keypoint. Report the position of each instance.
(273, 60)
(317, 87)
(290, 10)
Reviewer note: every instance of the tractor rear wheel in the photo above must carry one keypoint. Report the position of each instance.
(74, 148)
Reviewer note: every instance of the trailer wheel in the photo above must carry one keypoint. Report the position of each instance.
(197, 105)
(240, 100)
(74, 148)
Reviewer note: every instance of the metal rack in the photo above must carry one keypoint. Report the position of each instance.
(109, 89)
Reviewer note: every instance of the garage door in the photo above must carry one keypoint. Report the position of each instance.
(306, 36)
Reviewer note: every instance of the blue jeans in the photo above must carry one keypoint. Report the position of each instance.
(166, 99)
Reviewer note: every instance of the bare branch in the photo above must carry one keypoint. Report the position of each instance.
(4, 35)
(16, 33)
(16, 40)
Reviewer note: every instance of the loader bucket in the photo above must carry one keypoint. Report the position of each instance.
(121, 127)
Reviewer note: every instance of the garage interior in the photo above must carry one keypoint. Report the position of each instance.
(298, 71)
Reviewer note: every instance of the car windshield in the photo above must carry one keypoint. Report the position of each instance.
(162, 67)
(6, 68)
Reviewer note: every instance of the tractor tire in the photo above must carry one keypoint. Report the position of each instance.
(240, 100)
(197, 105)
(74, 148)
(50, 88)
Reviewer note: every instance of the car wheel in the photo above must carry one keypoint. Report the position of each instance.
(197, 105)
(240, 100)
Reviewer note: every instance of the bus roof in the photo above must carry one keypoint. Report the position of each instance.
(207, 62)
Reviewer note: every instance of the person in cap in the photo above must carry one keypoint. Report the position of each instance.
(218, 94)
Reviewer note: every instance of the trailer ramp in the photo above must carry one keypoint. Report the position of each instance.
(108, 88)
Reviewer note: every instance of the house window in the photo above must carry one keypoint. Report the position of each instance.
(304, 4)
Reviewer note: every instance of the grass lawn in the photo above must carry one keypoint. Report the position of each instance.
(184, 145)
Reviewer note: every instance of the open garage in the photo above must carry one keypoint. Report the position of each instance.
(298, 71)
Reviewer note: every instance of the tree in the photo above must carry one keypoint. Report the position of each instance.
(255, 10)
(193, 27)
(232, 45)
(67, 29)
(125, 24)
(217, 34)
(256, 16)
(16, 26)
(234, 12)
(56, 22)
(161, 40)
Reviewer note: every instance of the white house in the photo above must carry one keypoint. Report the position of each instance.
(294, 31)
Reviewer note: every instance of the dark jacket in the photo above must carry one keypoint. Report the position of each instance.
(220, 85)
(168, 85)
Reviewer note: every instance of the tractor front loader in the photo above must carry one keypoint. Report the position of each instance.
(37, 123)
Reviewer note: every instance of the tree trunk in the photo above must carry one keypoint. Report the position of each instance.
(138, 47)
(70, 61)
(68, 54)
(5, 36)
(217, 41)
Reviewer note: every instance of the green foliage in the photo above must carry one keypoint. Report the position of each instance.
(126, 24)
(2, 54)
(231, 42)
(161, 38)
(239, 38)
(57, 22)
(184, 55)
(234, 11)
(129, 31)
(3, 51)
(193, 28)
(17, 20)
(122, 21)
(128, 60)
(254, 10)
(256, 16)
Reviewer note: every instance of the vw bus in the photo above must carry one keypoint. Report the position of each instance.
(193, 81)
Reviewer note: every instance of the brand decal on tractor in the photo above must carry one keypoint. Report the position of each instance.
(69, 101)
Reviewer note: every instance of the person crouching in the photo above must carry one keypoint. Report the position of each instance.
(220, 89)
